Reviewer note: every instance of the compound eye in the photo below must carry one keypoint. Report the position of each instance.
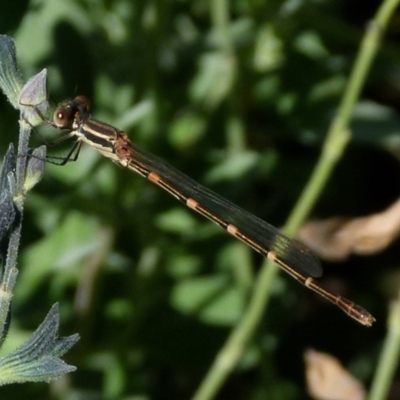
(61, 118)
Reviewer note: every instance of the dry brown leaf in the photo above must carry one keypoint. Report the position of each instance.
(337, 238)
(328, 380)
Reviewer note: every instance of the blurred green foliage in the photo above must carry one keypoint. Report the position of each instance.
(238, 95)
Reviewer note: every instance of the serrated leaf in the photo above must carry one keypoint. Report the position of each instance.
(36, 360)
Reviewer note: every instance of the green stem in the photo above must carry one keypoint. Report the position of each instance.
(389, 357)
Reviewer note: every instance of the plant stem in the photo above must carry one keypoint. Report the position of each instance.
(389, 357)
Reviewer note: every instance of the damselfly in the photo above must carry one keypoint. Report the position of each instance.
(292, 256)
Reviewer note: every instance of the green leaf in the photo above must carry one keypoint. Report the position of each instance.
(268, 52)
(212, 299)
(35, 168)
(37, 359)
(233, 167)
(187, 129)
(310, 44)
(376, 124)
(11, 81)
(215, 79)
(67, 246)
(177, 220)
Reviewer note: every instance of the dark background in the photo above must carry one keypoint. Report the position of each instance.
(154, 290)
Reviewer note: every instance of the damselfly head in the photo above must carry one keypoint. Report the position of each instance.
(66, 113)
